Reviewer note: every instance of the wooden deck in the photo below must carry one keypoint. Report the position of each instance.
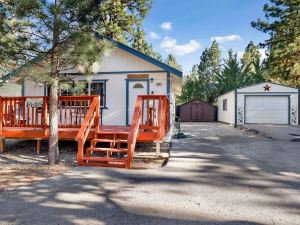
(79, 116)
(71, 133)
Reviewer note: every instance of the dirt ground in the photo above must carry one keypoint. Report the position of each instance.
(20, 165)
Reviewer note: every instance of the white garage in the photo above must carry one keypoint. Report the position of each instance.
(264, 103)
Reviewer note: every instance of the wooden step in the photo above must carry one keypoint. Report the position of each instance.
(106, 149)
(96, 140)
(112, 165)
(104, 159)
(116, 132)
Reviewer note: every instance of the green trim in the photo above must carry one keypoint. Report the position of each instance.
(266, 93)
(298, 106)
(141, 55)
(168, 85)
(119, 72)
(289, 106)
(127, 95)
(289, 112)
(235, 107)
(23, 88)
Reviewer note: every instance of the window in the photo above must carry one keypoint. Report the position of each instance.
(138, 86)
(99, 88)
(225, 105)
(74, 88)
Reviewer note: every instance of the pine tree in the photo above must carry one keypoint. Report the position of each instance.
(250, 56)
(252, 61)
(139, 43)
(52, 35)
(283, 26)
(171, 61)
(120, 17)
(210, 62)
(234, 75)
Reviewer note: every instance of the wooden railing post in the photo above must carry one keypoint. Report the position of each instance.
(1, 116)
(97, 116)
(84, 130)
(45, 113)
(80, 152)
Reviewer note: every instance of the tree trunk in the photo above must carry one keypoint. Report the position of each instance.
(53, 157)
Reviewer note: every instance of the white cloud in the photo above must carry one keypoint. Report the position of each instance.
(227, 38)
(240, 54)
(154, 36)
(263, 54)
(170, 46)
(166, 26)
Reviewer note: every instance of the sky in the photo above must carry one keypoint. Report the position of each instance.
(186, 28)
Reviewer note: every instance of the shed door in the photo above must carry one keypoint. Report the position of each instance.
(267, 109)
(196, 112)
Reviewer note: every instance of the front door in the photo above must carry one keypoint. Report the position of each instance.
(135, 88)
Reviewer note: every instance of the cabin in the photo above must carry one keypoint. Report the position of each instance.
(130, 98)
(264, 103)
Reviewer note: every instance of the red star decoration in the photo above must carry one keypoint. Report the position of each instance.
(267, 88)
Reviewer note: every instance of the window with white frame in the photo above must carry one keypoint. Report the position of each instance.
(225, 105)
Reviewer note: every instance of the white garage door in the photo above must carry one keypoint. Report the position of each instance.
(267, 109)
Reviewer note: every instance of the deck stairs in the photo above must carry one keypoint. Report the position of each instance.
(114, 146)
(108, 148)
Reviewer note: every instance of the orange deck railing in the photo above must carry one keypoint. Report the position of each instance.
(32, 111)
(151, 113)
(91, 120)
(151, 119)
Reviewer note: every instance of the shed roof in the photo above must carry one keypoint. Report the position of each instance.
(196, 99)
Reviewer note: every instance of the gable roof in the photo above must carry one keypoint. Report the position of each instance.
(196, 99)
(143, 56)
(120, 45)
(265, 82)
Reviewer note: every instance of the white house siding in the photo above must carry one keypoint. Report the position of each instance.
(115, 68)
(120, 60)
(33, 89)
(227, 116)
(10, 89)
(258, 90)
(115, 114)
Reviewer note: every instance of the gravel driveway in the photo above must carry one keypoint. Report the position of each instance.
(217, 176)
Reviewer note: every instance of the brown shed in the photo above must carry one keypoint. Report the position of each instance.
(197, 111)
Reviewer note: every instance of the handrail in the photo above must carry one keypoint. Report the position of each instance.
(134, 130)
(32, 111)
(92, 117)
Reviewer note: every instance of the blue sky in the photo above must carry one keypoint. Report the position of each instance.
(185, 28)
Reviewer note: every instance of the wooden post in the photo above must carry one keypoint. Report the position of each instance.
(2, 145)
(157, 149)
(38, 146)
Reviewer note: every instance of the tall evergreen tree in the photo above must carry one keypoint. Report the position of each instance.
(139, 43)
(234, 75)
(52, 35)
(250, 56)
(283, 26)
(120, 17)
(171, 61)
(210, 62)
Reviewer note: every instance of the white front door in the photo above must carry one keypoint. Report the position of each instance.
(135, 88)
(267, 109)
